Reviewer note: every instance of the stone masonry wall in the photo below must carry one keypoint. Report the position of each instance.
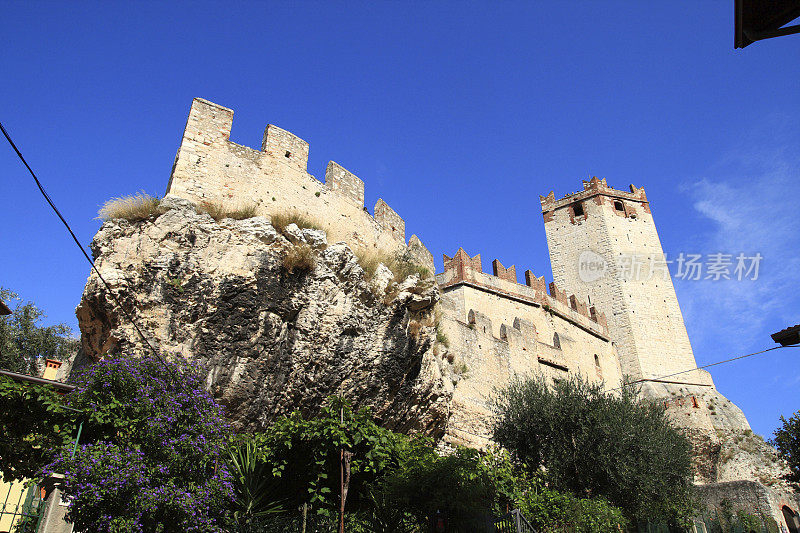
(601, 224)
(210, 168)
(498, 329)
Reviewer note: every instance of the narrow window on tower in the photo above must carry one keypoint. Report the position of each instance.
(577, 209)
(618, 206)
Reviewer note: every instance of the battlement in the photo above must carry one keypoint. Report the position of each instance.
(461, 269)
(210, 168)
(598, 190)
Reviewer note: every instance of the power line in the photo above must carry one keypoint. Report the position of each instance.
(80, 246)
(705, 366)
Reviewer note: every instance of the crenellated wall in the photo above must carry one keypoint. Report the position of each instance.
(500, 329)
(210, 168)
(461, 269)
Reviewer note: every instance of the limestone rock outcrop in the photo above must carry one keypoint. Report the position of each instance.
(268, 338)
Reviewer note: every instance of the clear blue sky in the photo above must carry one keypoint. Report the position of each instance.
(458, 114)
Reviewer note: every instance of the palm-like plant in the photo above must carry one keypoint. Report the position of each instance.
(255, 486)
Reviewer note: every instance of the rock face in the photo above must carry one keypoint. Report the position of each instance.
(270, 334)
(731, 464)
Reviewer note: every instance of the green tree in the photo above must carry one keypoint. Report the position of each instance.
(35, 425)
(787, 441)
(593, 444)
(23, 339)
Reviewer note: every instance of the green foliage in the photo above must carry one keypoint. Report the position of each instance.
(787, 441)
(465, 485)
(594, 444)
(725, 518)
(35, 425)
(23, 339)
(151, 457)
(441, 337)
(256, 490)
(305, 455)
(550, 510)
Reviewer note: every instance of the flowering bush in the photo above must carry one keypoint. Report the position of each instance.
(152, 460)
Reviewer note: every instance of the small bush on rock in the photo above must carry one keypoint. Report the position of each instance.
(132, 208)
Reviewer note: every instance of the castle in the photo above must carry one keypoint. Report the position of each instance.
(611, 312)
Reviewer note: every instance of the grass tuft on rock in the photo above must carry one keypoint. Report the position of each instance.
(299, 258)
(400, 266)
(219, 211)
(281, 220)
(133, 208)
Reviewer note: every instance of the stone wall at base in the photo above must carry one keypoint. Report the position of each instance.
(749, 496)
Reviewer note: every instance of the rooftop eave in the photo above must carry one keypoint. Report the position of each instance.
(788, 336)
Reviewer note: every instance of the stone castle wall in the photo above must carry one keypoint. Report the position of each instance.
(500, 329)
(210, 168)
(634, 289)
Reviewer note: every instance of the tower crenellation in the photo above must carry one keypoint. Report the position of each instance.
(604, 248)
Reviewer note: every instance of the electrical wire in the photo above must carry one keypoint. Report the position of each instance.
(704, 366)
(81, 248)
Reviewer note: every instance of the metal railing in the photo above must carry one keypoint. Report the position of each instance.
(22, 508)
(513, 522)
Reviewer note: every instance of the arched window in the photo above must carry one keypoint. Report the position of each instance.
(791, 519)
(556, 341)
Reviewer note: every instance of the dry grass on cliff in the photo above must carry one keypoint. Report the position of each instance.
(281, 220)
(299, 258)
(400, 266)
(220, 211)
(133, 208)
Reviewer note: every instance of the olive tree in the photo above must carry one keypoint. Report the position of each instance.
(591, 443)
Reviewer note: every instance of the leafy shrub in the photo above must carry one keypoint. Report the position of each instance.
(304, 454)
(219, 211)
(35, 425)
(132, 208)
(787, 441)
(152, 458)
(299, 257)
(552, 511)
(458, 485)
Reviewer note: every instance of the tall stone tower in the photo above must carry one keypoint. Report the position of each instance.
(604, 246)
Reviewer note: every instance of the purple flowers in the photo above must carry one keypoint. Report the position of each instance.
(151, 453)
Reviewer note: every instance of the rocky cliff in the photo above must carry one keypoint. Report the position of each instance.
(276, 321)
